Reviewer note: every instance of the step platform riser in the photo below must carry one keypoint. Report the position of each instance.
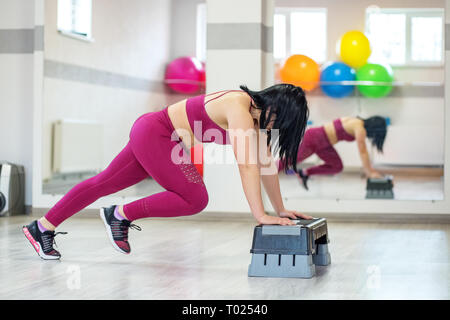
(289, 251)
(380, 188)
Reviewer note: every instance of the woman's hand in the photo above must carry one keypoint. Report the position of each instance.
(293, 215)
(374, 175)
(266, 219)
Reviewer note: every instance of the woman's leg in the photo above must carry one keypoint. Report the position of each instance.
(305, 149)
(152, 146)
(149, 152)
(333, 163)
(122, 172)
(185, 192)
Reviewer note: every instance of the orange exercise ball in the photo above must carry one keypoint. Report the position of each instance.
(301, 71)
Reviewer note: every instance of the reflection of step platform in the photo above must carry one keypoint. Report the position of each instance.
(380, 188)
(289, 251)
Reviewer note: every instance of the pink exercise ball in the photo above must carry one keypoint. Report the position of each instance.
(185, 75)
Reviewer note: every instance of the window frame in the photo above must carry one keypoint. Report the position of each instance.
(409, 14)
(72, 33)
(286, 11)
(201, 32)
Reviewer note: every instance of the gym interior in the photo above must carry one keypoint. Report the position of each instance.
(76, 74)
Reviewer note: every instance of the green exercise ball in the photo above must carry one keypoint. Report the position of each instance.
(377, 73)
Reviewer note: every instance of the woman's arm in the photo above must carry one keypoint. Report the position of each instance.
(272, 186)
(244, 142)
(269, 174)
(360, 136)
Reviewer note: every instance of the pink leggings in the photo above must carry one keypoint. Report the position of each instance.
(148, 153)
(315, 141)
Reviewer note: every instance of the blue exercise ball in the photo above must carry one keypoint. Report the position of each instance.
(337, 71)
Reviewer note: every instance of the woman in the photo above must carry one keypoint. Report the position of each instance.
(320, 141)
(154, 148)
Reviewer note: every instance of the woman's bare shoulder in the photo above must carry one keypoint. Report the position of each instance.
(236, 102)
(353, 122)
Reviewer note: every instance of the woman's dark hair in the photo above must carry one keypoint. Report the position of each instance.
(288, 103)
(376, 129)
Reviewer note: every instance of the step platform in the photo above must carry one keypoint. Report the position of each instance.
(380, 188)
(289, 251)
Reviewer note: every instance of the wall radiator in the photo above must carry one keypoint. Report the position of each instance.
(77, 147)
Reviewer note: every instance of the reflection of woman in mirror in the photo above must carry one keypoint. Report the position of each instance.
(149, 152)
(320, 141)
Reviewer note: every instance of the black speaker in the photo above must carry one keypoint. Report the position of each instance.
(12, 189)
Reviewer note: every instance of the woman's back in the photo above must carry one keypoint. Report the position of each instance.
(215, 107)
(342, 129)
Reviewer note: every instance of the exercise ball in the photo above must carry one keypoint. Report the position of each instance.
(301, 71)
(354, 49)
(185, 75)
(337, 71)
(378, 73)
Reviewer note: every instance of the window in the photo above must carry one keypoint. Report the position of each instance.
(406, 36)
(300, 31)
(74, 18)
(201, 32)
(426, 39)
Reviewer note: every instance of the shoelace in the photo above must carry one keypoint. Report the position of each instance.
(49, 240)
(135, 227)
(120, 229)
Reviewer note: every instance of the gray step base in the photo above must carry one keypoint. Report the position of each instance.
(379, 194)
(322, 256)
(289, 266)
(281, 266)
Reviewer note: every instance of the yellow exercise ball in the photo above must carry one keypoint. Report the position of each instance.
(354, 48)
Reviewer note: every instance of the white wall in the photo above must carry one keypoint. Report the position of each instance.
(16, 90)
(184, 28)
(422, 113)
(131, 39)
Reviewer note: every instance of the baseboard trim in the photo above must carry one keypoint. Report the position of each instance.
(247, 216)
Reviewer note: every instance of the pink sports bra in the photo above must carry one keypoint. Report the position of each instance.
(203, 127)
(340, 131)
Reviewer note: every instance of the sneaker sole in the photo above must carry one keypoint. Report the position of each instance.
(108, 231)
(36, 246)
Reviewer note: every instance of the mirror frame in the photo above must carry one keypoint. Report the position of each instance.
(366, 206)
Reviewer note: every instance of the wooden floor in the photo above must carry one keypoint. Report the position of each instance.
(206, 259)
